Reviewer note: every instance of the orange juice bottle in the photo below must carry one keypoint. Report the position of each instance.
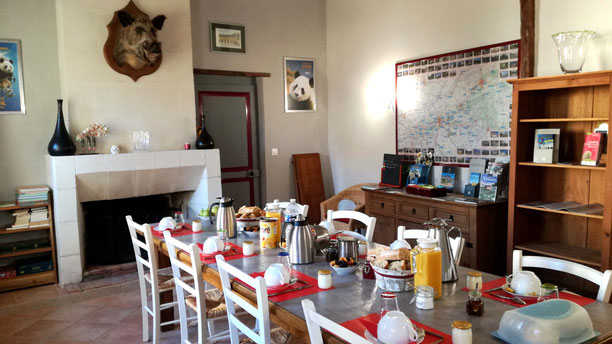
(274, 210)
(426, 263)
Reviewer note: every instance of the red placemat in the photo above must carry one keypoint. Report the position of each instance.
(235, 252)
(581, 300)
(370, 323)
(313, 289)
(185, 230)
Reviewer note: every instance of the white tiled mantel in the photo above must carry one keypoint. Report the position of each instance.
(83, 178)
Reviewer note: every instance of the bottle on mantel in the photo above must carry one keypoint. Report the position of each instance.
(204, 140)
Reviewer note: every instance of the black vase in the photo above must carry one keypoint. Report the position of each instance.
(61, 143)
(204, 140)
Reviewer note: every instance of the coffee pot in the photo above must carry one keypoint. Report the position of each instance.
(301, 242)
(226, 216)
(438, 229)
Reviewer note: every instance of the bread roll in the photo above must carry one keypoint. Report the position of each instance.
(380, 263)
(398, 265)
(399, 254)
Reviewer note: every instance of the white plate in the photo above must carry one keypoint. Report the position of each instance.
(506, 287)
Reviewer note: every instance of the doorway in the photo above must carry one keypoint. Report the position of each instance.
(228, 104)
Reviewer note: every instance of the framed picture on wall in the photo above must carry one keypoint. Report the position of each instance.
(299, 85)
(12, 100)
(227, 38)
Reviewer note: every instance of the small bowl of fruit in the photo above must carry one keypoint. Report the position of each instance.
(344, 266)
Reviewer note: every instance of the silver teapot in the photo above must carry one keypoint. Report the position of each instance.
(301, 242)
(226, 216)
(438, 229)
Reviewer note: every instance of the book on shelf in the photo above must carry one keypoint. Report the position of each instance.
(593, 148)
(32, 188)
(488, 188)
(447, 179)
(546, 146)
(7, 204)
(569, 206)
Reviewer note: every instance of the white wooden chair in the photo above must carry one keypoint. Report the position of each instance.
(303, 207)
(457, 244)
(369, 221)
(261, 334)
(315, 321)
(603, 279)
(160, 280)
(209, 304)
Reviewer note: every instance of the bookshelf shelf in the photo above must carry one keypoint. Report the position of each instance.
(25, 252)
(569, 119)
(12, 231)
(25, 281)
(568, 252)
(523, 206)
(574, 166)
(18, 207)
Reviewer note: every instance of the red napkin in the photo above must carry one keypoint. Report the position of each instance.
(370, 323)
(229, 254)
(581, 300)
(313, 289)
(185, 230)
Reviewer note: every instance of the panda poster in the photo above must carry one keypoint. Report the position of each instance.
(299, 85)
(11, 78)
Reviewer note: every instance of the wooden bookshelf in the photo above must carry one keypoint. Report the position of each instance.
(576, 166)
(31, 280)
(524, 206)
(576, 104)
(562, 119)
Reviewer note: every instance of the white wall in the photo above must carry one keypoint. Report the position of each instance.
(274, 29)
(569, 15)
(161, 103)
(365, 39)
(24, 138)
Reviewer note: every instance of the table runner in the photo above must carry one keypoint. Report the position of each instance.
(185, 230)
(236, 254)
(313, 289)
(370, 322)
(581, 300)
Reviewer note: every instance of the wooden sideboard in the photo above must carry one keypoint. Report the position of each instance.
(482, 224)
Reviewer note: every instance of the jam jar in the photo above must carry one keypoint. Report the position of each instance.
(474, 305)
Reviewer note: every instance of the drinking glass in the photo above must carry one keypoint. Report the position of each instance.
(548, 291)
(387, 302)
(283, 258)
(572, 48)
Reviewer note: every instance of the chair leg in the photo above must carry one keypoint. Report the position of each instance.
(211, 327)
(156, 317)
(145, 315)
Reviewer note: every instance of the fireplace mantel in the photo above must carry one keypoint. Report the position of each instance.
(84, 178)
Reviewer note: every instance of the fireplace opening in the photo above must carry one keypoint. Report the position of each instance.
(107, 238)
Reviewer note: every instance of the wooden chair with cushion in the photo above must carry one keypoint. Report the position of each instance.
(316, 321)
(160, 280)
(369, 221)
(209, 305)
(261, 334)
(603, 279)
(353, 194)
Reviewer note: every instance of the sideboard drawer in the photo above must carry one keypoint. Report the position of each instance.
(382, 206)
(454, 218)
(416, 212)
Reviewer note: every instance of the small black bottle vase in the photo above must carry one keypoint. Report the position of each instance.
(61, 143)
(204, 140)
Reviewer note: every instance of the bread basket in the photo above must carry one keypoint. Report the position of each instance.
(392, 280)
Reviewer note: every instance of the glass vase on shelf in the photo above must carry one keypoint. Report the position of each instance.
(572, 48)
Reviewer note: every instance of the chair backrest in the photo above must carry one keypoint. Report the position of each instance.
(148, 260)
(369, 221)
(315, 321)
(195, 270)
(261, 313)
(603, 279)
(303, 207)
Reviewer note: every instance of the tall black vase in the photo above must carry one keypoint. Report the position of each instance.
(204, 140)
(61, 143)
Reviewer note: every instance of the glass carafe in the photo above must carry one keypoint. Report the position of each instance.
(426, 263)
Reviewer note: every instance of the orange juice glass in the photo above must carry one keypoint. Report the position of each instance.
(274, 210)
(426, 263)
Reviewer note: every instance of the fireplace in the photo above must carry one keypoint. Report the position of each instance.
(90, 178)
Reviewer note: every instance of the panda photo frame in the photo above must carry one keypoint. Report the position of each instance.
(12, 99)
(299, 85)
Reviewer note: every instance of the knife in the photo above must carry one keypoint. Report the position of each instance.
(290, 290)
(513, 299)
(494, 289)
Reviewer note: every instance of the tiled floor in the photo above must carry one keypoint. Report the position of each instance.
(110, 319)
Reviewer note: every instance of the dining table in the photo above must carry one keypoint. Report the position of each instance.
(354, 297)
